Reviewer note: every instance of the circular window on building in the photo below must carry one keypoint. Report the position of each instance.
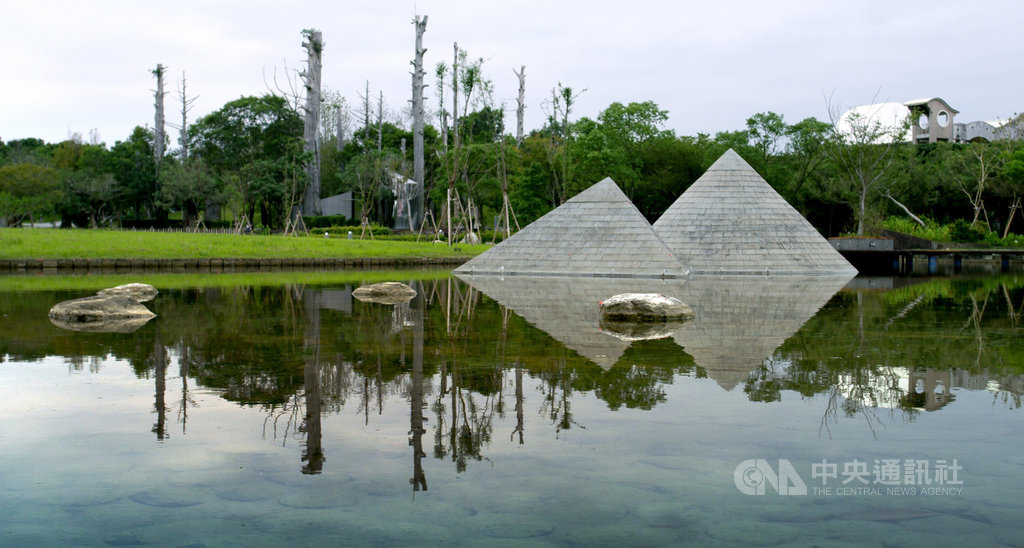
(942, 119)
(922, 121)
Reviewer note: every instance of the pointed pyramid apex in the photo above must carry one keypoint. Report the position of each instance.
(604, 190)
(730, 161)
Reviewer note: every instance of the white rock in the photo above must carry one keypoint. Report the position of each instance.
(644, 307)
(101, 313)
(385, 293)
(137, 291)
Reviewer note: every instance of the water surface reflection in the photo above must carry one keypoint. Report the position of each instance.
(511, 387)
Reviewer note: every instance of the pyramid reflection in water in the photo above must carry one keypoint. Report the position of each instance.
(740, 320)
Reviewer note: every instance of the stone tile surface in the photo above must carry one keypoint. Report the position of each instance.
(597, 232)
(731, 221)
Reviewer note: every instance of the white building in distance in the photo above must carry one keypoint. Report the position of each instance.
(932, 120)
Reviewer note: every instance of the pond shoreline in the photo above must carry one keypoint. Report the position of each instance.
(220, 264)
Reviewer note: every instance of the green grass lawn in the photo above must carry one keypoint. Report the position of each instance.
(162, 281)
(20, 243)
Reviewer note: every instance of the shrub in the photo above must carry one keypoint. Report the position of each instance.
(962, 232)
(342, 230)
(325, 221)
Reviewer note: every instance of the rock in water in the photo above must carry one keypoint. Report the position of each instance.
(641, 331)
(137, 291)
(385, 293)
(644, 307)
(101, 313)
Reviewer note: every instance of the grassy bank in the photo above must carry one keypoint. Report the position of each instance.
(164, 281)
(18, 243)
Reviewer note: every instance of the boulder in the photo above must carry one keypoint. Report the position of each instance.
(385, 293)
(136, 291)
(101, 313)
(644, 307)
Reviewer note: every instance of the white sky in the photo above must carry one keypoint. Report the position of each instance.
(75, 66)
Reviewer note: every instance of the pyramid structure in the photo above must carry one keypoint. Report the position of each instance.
(598, 232)
(730, 221)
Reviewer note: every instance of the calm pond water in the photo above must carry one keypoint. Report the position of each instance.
(260, 412)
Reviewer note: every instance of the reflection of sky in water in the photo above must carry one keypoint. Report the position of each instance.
(82, 465)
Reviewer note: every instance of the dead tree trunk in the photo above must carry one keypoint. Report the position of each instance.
(455, 139)
(186, 107)
(521, 105)
(341, 130)
(158, 130)
(417, 102)
(455, 97)
(442, 113)
(380, 123)
(366, 115)
(311, 131)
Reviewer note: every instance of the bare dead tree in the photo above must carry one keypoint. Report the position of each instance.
(417, 101)
(186, 107)
(983, 160)
(440, 70)
(366, 114)
(562, 100)
(521, 104)
(314, 46)
(455, 95)
(380, 122)
(158, 129)
(864, 148)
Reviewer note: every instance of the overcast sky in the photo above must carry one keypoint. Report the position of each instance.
(77, 66)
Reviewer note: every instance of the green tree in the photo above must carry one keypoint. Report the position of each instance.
(806, 149)
(89, 199)
(134, 169)
(1011, 184)
(190, 187)
(864, 150)
(255, 143)
(765, 130)
(28, 191)
(617, 144)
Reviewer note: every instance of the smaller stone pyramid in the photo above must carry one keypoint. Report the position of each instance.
(598, 232)
(730, 221)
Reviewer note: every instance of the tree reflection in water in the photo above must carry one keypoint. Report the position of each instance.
(301, 352)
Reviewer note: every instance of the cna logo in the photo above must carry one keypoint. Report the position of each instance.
(751, 476)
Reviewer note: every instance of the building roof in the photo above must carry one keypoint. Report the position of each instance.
(730, 221)
(599, 232)
(926, 100)
(888, 116)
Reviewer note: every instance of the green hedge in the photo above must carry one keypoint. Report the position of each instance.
(356, 230)
(325, 221)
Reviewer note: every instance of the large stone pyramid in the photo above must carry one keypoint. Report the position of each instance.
(598, 232)
(732, 222)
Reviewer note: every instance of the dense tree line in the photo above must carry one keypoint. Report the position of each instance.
(246, 159)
